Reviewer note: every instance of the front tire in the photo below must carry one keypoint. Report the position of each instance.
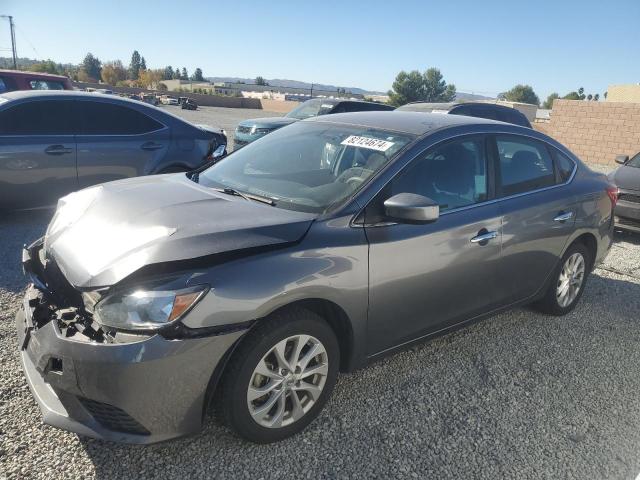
(568, 282)
(280, 377)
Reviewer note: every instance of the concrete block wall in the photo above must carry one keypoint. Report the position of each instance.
(595, 131)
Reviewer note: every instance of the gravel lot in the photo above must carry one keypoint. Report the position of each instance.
(519, 395)
(226, 118)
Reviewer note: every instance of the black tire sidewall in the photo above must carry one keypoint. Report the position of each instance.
(235, 395)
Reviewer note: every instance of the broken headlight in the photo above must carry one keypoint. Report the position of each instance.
(146, 309)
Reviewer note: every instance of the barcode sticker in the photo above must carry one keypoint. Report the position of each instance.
(366, 142)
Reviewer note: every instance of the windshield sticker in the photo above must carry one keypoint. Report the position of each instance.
(326, 105)
(366, 142)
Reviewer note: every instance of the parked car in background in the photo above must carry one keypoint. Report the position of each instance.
(627, 178)
(11, 80)
(167, 100)
(490, 111)
(149, 98)
(181, 99)
(55, 142)
(252, 129)
(188, 104)
(320, 248)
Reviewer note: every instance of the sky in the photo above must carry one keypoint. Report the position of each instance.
(483, 47)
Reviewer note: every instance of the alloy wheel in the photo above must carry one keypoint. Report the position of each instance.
(570, 279)
(287, 381)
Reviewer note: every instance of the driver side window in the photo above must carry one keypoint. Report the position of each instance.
(453, 175)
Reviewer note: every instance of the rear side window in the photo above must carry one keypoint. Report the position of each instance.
(45, 85)
(525, 165)
(49, 117)
(3, 86)
(564, 164)
(101, 118)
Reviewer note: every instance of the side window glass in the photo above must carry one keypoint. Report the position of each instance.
(525, 165)
(49, 117)
(45, 85)
(453, 175)
(564, 164)
(3, 86)
(102, 118)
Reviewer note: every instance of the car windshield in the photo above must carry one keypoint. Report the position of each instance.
(634, 162)
(307, 166)
(311, 108)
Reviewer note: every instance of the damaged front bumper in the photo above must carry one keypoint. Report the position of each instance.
(138, 389)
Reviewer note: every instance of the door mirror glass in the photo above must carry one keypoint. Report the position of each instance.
(219, 152)
(411, 208)
(622, 159)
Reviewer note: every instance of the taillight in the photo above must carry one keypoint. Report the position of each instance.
(612, 192)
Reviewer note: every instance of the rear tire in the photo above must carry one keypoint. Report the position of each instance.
(567, 282)
(273, 364)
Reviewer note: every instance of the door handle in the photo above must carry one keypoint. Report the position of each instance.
(563, 217)
(151, 146)
(57, 150)
(483, 238)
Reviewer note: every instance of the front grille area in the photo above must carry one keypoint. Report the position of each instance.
(113, 418)
(629, 197)
(243, 129)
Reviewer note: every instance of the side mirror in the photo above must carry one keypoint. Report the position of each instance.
(219, 152)
(411, 208)
(622, 159)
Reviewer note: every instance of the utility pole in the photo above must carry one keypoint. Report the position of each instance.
(13, 41)
(312, 90)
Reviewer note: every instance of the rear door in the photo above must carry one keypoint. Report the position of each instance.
(117, 141)
(538, 212)
(37, 153)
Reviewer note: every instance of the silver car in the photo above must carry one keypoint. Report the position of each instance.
(319, 248)
(55, 142)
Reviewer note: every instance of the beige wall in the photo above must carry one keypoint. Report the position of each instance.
(623, 93)
(595, 131)
(278, 106)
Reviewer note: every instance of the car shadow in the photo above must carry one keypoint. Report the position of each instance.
(16, 230)
(492, 394)
(626, 236)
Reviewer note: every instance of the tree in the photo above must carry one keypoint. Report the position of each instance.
(113, 72)
(572, 96)
(417, 87)
(163, 87)
(197, 75)
(135, 65)
(548, 103)
(168, 73)
(91, 66)
(605, 95)
(185, 75)
(581, 93)
(522, 94)
(150, 78)
(143, 64)
(48, 66)
(596, 97)
(261, 81)
(176, 74)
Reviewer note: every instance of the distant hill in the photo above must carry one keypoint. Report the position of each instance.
(471, 96)
(278, 82)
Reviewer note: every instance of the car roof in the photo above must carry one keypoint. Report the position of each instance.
(425, 106)
(44, 94)
(415, 123)
(20, 73)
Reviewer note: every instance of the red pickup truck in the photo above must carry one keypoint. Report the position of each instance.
(11, 80)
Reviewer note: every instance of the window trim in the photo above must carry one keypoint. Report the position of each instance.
(91, 100)
(360, 211)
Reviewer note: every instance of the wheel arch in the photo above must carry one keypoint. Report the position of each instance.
(590, 242)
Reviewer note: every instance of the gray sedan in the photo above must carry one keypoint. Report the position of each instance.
(627, 179)
(316, 249)
(55, 142)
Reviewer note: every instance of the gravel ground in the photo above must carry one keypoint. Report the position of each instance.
(519, 395)
(226, 118)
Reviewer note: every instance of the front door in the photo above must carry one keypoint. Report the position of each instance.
(425, 277)
(117, 141)
(37, 153)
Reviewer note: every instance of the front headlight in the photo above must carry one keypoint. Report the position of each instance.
(260, 131)
(146, 309)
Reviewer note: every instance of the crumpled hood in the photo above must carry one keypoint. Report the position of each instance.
(627, 178)
(268, 122)
(102, 234)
